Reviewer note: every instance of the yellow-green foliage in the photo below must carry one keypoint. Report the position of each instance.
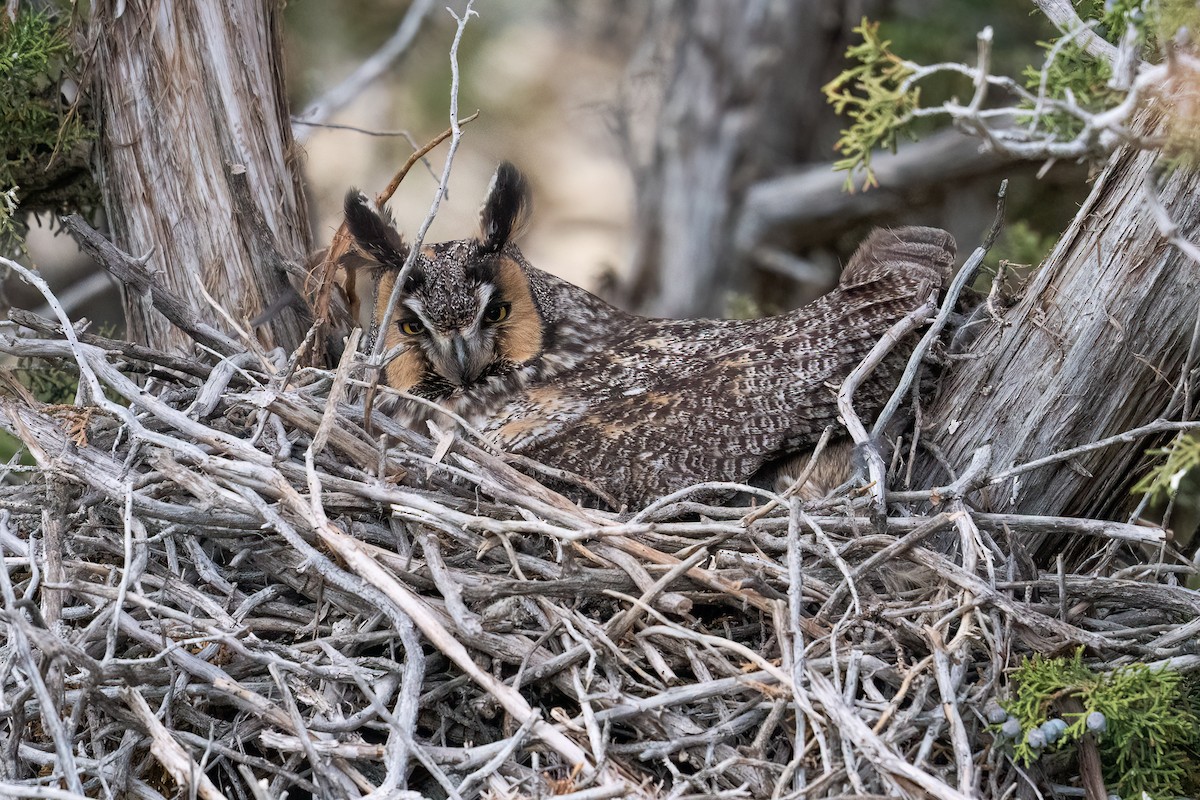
(1022, 248)
(1172, 15)
(49, 382)
(1073, 72)
(1179, 458)
(8, 213)
(40, 136)
(1153, 730)
(1020, 243)
(1086, 78)
(880, 102)
(29, 46)
(740, 305)
(872, 95)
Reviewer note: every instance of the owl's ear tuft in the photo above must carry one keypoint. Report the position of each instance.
(372, 233)
(505, 209)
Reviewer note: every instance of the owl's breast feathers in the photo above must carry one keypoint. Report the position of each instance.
(643, 407)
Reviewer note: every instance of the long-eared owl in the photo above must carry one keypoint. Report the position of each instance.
(639, 406)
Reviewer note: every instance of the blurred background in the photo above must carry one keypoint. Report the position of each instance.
(680, 151)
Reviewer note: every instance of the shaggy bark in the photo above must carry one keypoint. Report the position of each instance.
(1098, 345)
(199, 172)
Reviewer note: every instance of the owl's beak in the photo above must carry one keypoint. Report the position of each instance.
(459, 359)
(462, 363)
(462, 359)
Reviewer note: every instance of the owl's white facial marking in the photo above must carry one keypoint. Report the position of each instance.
(460, 347)
(470, 326)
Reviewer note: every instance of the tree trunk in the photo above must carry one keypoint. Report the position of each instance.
(730, 114)
(198, 169)
(1097, 346)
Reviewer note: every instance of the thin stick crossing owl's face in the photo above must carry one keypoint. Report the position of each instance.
(640, 407)
(465, 312)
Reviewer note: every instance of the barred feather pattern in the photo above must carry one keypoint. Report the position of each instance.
(641, 407)
(644, 407)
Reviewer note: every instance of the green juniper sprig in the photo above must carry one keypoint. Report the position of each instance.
(46, 140)
(1073, 106)
(877, 98)
(1145, 721)
(1179, 458)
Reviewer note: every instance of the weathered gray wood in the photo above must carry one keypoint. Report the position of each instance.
(190, 94)
(812, 197)
(1095, 347)
(140, 286)
(731, 112)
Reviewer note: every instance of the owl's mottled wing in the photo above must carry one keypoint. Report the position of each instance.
(668, 403)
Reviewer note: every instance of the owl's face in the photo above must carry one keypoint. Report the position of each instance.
(465, 311)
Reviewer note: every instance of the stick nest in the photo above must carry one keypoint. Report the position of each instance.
(216, 580)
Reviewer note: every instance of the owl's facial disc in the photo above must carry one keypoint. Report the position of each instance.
(459, 348)
(467, 310)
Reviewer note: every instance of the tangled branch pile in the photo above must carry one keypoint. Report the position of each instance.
(220, 580)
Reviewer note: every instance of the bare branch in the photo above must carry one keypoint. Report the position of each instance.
(455, 138)
(876, 470)
(382, 60)
(1062, 14)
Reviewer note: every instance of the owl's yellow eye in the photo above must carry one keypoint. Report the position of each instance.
(412, 327)
(497, 313)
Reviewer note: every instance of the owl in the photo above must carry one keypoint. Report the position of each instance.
(640, 407)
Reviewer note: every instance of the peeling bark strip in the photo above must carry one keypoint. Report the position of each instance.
(191, 94)
(1096, 347)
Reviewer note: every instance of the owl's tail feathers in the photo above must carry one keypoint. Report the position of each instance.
(911, 253)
